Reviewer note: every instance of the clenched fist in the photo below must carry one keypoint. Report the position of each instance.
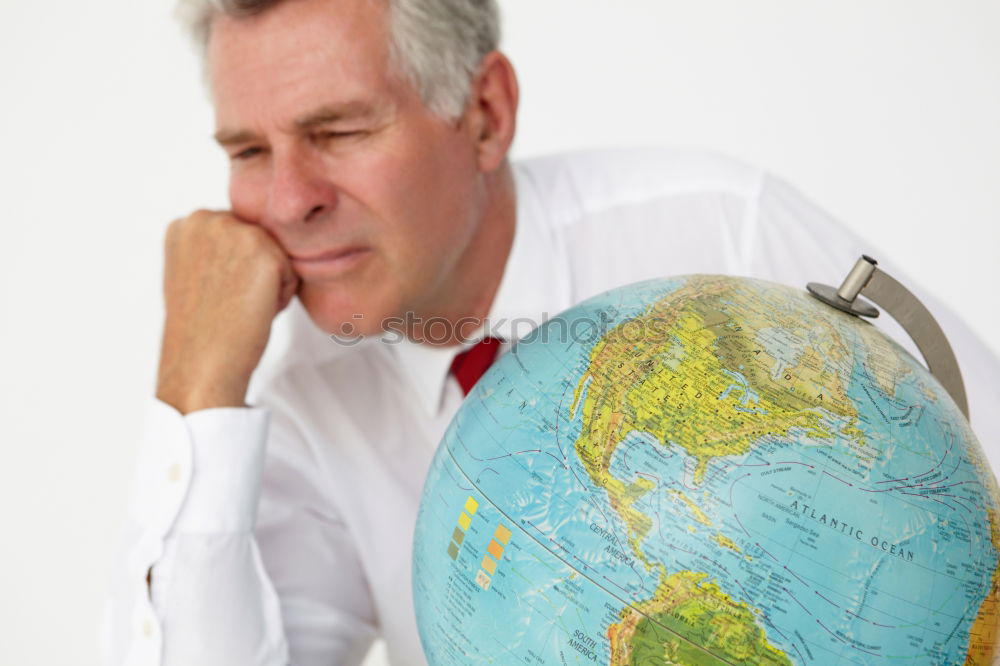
(224, 281)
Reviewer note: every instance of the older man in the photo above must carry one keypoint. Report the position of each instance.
(368, 143)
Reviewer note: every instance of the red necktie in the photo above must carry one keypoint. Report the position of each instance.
(469, 366)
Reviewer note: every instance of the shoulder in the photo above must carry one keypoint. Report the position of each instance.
(585, 182)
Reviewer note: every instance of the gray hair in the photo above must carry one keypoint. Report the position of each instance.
(437, 44)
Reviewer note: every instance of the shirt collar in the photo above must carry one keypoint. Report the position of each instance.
(534, 288)
(425, 368)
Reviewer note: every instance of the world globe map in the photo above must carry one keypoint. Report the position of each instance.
(708, 470)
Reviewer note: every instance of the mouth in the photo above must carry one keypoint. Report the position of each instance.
(329, 264)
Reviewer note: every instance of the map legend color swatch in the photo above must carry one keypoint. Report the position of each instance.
(464, 520)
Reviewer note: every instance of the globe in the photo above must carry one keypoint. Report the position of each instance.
(708, 470)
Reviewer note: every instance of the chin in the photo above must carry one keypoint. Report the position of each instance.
(338, 313)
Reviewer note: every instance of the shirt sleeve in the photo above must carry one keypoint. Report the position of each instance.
(248, 561)
(790, 240)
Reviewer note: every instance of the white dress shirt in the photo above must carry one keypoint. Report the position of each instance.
(281, 533)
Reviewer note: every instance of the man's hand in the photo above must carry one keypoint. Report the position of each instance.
(224, 281)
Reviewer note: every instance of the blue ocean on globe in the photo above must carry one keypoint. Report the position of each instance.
(708, 470)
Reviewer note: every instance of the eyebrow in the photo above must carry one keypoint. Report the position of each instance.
(331, 114)
(324, 115)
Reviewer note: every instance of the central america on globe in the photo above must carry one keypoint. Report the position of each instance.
(708, 470)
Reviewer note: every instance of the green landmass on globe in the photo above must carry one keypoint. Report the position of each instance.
(708, 470)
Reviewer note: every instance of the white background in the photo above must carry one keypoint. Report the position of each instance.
(885, 112)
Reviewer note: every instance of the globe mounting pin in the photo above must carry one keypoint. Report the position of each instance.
(866, 278)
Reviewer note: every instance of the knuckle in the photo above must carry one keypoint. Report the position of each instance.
(202, 214)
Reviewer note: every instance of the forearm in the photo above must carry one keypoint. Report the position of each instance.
(190, 587)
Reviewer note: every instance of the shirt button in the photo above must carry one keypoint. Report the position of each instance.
(147, 628)
(174, 473)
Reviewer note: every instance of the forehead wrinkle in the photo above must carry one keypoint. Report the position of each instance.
(296, 80)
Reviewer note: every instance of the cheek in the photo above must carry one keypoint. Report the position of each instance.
(432, 200)
(421, 238)
(247, 195)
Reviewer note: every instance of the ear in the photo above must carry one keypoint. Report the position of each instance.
(491, 112)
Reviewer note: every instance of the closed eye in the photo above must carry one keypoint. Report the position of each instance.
(247, 153)
(340, 134)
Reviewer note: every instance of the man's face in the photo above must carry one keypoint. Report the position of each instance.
(373, 197)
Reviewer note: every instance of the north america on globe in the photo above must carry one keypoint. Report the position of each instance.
(708, 470)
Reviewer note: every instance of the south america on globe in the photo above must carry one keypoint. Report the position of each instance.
(708, 470)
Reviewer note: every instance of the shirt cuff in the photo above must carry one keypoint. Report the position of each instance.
(200, 472)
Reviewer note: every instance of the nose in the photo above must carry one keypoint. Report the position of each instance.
(298, 191)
